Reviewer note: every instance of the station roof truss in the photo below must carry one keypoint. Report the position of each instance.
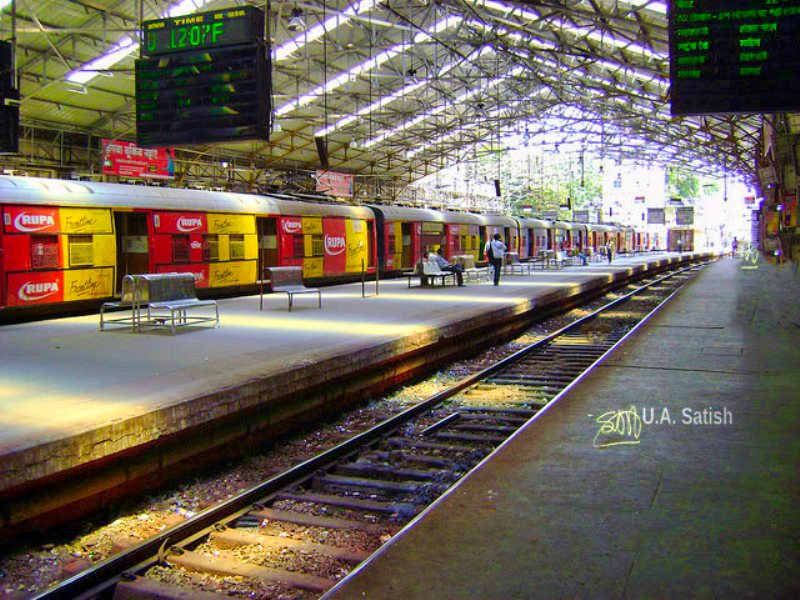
(397, 88)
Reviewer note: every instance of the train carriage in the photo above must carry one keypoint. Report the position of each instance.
(69, 242)
(507, 227)
(568, 235)
(406, 233)
(598, 236)
(534, 236)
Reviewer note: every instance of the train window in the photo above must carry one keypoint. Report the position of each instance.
(81, 251)
(210, 248)
(44, 251)
(298, 246)
(237, 247)
(317, 245)
(390, 242)
(180, 249)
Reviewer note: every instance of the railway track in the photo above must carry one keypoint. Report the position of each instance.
(297, 534)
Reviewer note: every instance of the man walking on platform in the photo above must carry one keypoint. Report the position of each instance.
(494, 252)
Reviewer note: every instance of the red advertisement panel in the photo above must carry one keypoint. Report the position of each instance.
(178, 222)
(26, 289)
(288, 227)
(31, 219)
(17, 252)
(332, 183)
(291, 225)
(200, 272)
(126, 159)
(335, 246)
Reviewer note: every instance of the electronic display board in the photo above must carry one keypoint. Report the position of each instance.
(734, 56)
(202, 31)
(200, 97)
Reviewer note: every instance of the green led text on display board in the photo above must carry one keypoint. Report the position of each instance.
(733, 56)
(202, 31)
(204, 78)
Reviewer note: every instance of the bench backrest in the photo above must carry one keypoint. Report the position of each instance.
(161, 287)
(430, 267)
(284, 276)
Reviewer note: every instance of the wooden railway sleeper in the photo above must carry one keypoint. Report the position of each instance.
(401, 509)
(362, 483)
(364, 468)
(395, 456)
(477, 427)
(524, 412)
(232, 538)
(308, 520)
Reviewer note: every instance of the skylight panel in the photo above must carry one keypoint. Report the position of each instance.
(314, 33)
(403, 91)
(368, 65)
(441, 108)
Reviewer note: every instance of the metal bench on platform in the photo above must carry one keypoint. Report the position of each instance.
(159, 300)
(512, 264)
(288, 280)
(430, 270)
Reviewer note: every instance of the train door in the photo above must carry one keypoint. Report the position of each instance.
(408, 245)
(267, 228)
(133, 252)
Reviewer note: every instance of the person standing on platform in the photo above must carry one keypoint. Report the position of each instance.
(680, 245)
(494, 251)
(444, 265)
(610, 251)
(734, 247)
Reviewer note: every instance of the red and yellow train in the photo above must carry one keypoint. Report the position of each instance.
(66, 244)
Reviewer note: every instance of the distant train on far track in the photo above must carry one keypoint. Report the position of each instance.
(65, 246)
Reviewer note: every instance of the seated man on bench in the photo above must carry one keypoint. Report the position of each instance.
(444, 265)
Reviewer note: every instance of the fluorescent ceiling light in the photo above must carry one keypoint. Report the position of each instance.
(126, 46)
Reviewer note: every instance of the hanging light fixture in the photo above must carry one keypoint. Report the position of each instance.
(296, 21)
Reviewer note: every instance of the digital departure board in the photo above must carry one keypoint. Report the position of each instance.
(202, 31)
(216, 95)
(734, 56)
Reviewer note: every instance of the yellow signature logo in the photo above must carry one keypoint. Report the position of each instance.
(618, 427)
(750, 258)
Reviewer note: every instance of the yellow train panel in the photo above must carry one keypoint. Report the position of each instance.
(86, 220)
(88, 284)
(356, 236)
(225, 223)
(312, 225)
(224, 247)
(313, 267)
(242, 272)
(251, 247)
(105, 251)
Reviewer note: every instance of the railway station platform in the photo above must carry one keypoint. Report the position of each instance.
(85, 412)
(701, 504)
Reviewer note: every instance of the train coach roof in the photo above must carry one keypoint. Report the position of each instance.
(38, 191)
(570, 226)
(601, 227)
(534, 223)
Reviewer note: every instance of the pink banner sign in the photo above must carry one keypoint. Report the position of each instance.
(126, 159)
(332, 183)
